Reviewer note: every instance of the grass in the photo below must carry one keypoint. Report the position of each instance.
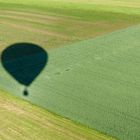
(93, 82)
(52, 24)
(124, 6)
(20, 120)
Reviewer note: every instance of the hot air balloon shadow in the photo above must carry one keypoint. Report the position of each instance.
(24, 62)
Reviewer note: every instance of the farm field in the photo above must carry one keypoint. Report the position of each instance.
(109, 100)
(54, 24)
(92, 76)
(20, 120)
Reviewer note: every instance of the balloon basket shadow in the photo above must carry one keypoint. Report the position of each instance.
(25, 92)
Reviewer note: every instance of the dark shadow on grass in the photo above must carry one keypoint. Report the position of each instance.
(24, 62)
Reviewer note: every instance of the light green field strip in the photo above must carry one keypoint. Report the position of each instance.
(94, 82)
(122, 3)
(120, 6)
(19, 120)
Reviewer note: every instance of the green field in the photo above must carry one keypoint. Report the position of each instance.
(93, 73)
(53, 24)
(20, 120)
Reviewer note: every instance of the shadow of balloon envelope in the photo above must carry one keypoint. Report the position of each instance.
(24, 62)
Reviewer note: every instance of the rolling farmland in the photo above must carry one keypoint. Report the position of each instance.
(111, 83)
(54, 25)
(93, 73)
(21, 120)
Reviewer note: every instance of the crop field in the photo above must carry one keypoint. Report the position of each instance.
(52, 24)
(93, 72)
(26, 121)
